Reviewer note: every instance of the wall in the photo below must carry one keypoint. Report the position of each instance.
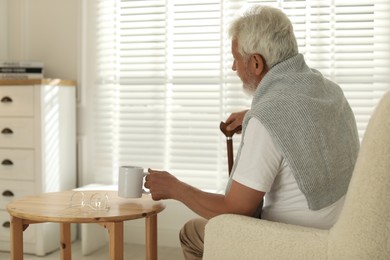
(3, 29)
(46, 31)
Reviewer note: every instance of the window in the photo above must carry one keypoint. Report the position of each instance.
(158, 77)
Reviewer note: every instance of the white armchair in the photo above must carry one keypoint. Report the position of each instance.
(361, 232)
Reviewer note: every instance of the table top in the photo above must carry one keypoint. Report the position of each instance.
(62, 207)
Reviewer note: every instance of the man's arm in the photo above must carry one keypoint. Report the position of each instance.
(240, 200)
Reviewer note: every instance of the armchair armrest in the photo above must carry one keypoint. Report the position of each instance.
(240, 237)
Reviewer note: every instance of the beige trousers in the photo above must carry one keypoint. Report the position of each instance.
(192, 238)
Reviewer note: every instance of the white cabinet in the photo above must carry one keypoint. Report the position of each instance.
(37, 151)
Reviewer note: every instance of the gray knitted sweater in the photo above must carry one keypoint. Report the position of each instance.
(311, 122)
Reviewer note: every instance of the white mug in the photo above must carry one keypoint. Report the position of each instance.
(130, 181)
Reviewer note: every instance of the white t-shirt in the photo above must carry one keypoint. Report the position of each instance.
(262, 167)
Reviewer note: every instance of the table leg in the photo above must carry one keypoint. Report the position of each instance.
(151, 237)
(65, 241)
(115, 233)
(16, 238)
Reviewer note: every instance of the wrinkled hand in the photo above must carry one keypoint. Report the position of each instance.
(161, 184)
(235, 120)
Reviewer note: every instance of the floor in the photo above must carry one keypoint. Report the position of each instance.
(132, 251)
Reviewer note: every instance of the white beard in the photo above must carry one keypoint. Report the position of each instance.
(250, 88)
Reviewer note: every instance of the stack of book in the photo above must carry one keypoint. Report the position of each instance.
(21, 70)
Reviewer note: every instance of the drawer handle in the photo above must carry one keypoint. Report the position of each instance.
(8, 193)
(7, 162)
(7, 131)
(6, 224)
(6, 100)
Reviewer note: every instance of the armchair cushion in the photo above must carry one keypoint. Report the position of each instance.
(256, 236)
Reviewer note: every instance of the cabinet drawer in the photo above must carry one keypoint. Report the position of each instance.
(5, 221)
(16, 164)
(17, 101)
(16, 132)
(5, 225)
(10, 190)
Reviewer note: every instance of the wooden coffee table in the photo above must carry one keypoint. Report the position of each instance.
(56, 207)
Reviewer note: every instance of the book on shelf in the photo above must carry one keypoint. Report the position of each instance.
(21, 64)
(20, 70)
(15, 70)
(16, 76)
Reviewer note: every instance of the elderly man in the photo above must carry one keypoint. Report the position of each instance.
(299, 139)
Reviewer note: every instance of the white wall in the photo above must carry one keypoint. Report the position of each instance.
(46, 31)
(169, 224)
(3, 29)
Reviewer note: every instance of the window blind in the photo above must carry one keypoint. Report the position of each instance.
(163, 79)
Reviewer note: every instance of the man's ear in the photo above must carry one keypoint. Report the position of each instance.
(258, 64)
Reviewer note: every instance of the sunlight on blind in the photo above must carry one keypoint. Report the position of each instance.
(194, 102)
(164, 78)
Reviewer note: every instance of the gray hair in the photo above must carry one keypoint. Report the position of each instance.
(267, 31)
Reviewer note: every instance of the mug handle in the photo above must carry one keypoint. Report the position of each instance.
(144, 190)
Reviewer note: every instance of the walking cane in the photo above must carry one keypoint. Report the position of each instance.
(229, 142)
